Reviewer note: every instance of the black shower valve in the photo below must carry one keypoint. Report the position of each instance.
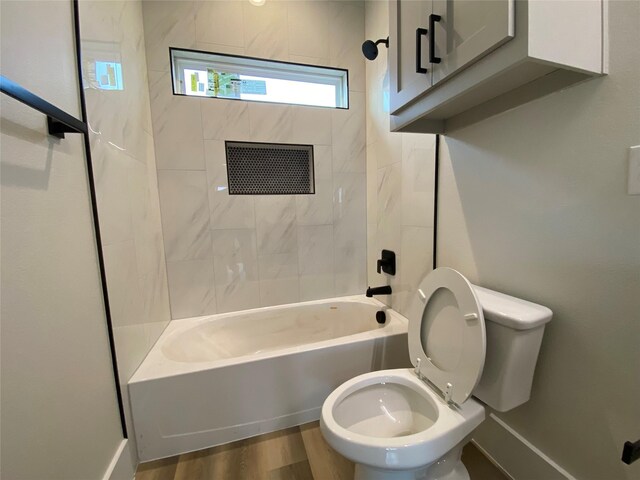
(387, 263)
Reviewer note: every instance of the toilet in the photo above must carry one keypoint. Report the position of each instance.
(412, 423)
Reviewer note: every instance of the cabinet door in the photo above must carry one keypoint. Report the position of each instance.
(468, 30)
(405, 18)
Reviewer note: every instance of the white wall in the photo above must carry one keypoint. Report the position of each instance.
(59, 412)
(126, 184)
(228, 253)
(400, 182)
(534, 204)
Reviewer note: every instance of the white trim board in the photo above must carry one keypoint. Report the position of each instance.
(121, 466)
(514, 454)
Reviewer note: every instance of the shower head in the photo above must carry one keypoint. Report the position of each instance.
(370, 48)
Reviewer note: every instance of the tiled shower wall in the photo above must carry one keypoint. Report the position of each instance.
(126, 180)
(126, 183)
(227, 253)
(400, 182)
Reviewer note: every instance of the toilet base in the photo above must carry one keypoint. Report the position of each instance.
(449, 467)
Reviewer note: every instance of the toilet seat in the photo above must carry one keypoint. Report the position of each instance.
(447, 340)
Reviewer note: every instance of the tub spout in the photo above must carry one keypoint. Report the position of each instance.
(386, 290)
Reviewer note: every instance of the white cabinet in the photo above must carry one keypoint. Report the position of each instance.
(466, 30)
(485, 56)
(410, 74)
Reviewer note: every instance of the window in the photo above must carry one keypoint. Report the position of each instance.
(217, 75)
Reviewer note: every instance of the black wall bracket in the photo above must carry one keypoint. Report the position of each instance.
(59, 122)
(630, 452)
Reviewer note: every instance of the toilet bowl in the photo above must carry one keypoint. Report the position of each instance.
(412, 423)
(390, 420)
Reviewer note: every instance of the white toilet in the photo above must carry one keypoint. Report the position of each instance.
(412, 423)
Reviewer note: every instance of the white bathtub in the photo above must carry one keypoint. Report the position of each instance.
(216, 379)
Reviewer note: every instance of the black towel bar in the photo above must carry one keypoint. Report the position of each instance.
(59, 122)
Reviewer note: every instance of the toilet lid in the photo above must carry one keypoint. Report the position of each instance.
(447, 334)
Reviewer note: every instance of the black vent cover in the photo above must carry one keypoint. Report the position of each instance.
(269, 168)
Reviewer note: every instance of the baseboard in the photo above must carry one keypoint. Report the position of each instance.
(122, 466)
(513, 454)
(492, 460)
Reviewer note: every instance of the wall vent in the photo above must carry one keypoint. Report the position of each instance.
(269, 168)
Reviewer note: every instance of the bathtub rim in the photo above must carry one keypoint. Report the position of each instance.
(157, 366)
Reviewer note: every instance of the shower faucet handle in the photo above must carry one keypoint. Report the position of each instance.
(387, 263)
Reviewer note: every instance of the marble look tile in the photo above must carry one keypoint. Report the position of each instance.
(99, 20)
(377, 98)
(276, 224)
(322, 162)
(389, 149)
(377, 19)
(219, 22)
(142, 190)
(131, 342)
(111, 173)
(348, 127)
(316, 209)
(104, 121)
(227, 211)
(153, 280)
(278, 279)
(418, 164)
(311, 125)
(349, 202)
(236, 269)
(279, 291)
(191, 288)
(372, 185)
(315, 262)
(147, 228)
(177, 127)
(350, 270)
(124, 162)
(373, 277)
(346, 33)
(167, 23)
(185, 214)
(271, 122)
(225, 119)
(122, 283)
(316, 287)
(235, 255)
(308, 28)
(154, 330)
(219, 48)
(279, 265)
(349, 233)
(315, 250)
(265, 30)
(322, 61)
(415, 261)
(389, 207)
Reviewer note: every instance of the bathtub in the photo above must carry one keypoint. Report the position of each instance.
(216, 379)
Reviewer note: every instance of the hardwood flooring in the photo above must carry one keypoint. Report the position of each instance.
(298, 453)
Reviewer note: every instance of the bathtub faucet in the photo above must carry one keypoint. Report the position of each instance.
(386, 290)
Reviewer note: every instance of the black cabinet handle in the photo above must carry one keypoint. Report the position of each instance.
(433, 18)
(419, 33)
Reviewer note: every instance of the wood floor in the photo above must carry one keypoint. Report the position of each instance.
(298, 453)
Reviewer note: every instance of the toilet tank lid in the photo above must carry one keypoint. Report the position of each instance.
(510, 311)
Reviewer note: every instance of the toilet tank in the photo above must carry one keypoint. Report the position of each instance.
(514, 333)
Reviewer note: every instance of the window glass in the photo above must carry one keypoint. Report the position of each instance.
(233, 77)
